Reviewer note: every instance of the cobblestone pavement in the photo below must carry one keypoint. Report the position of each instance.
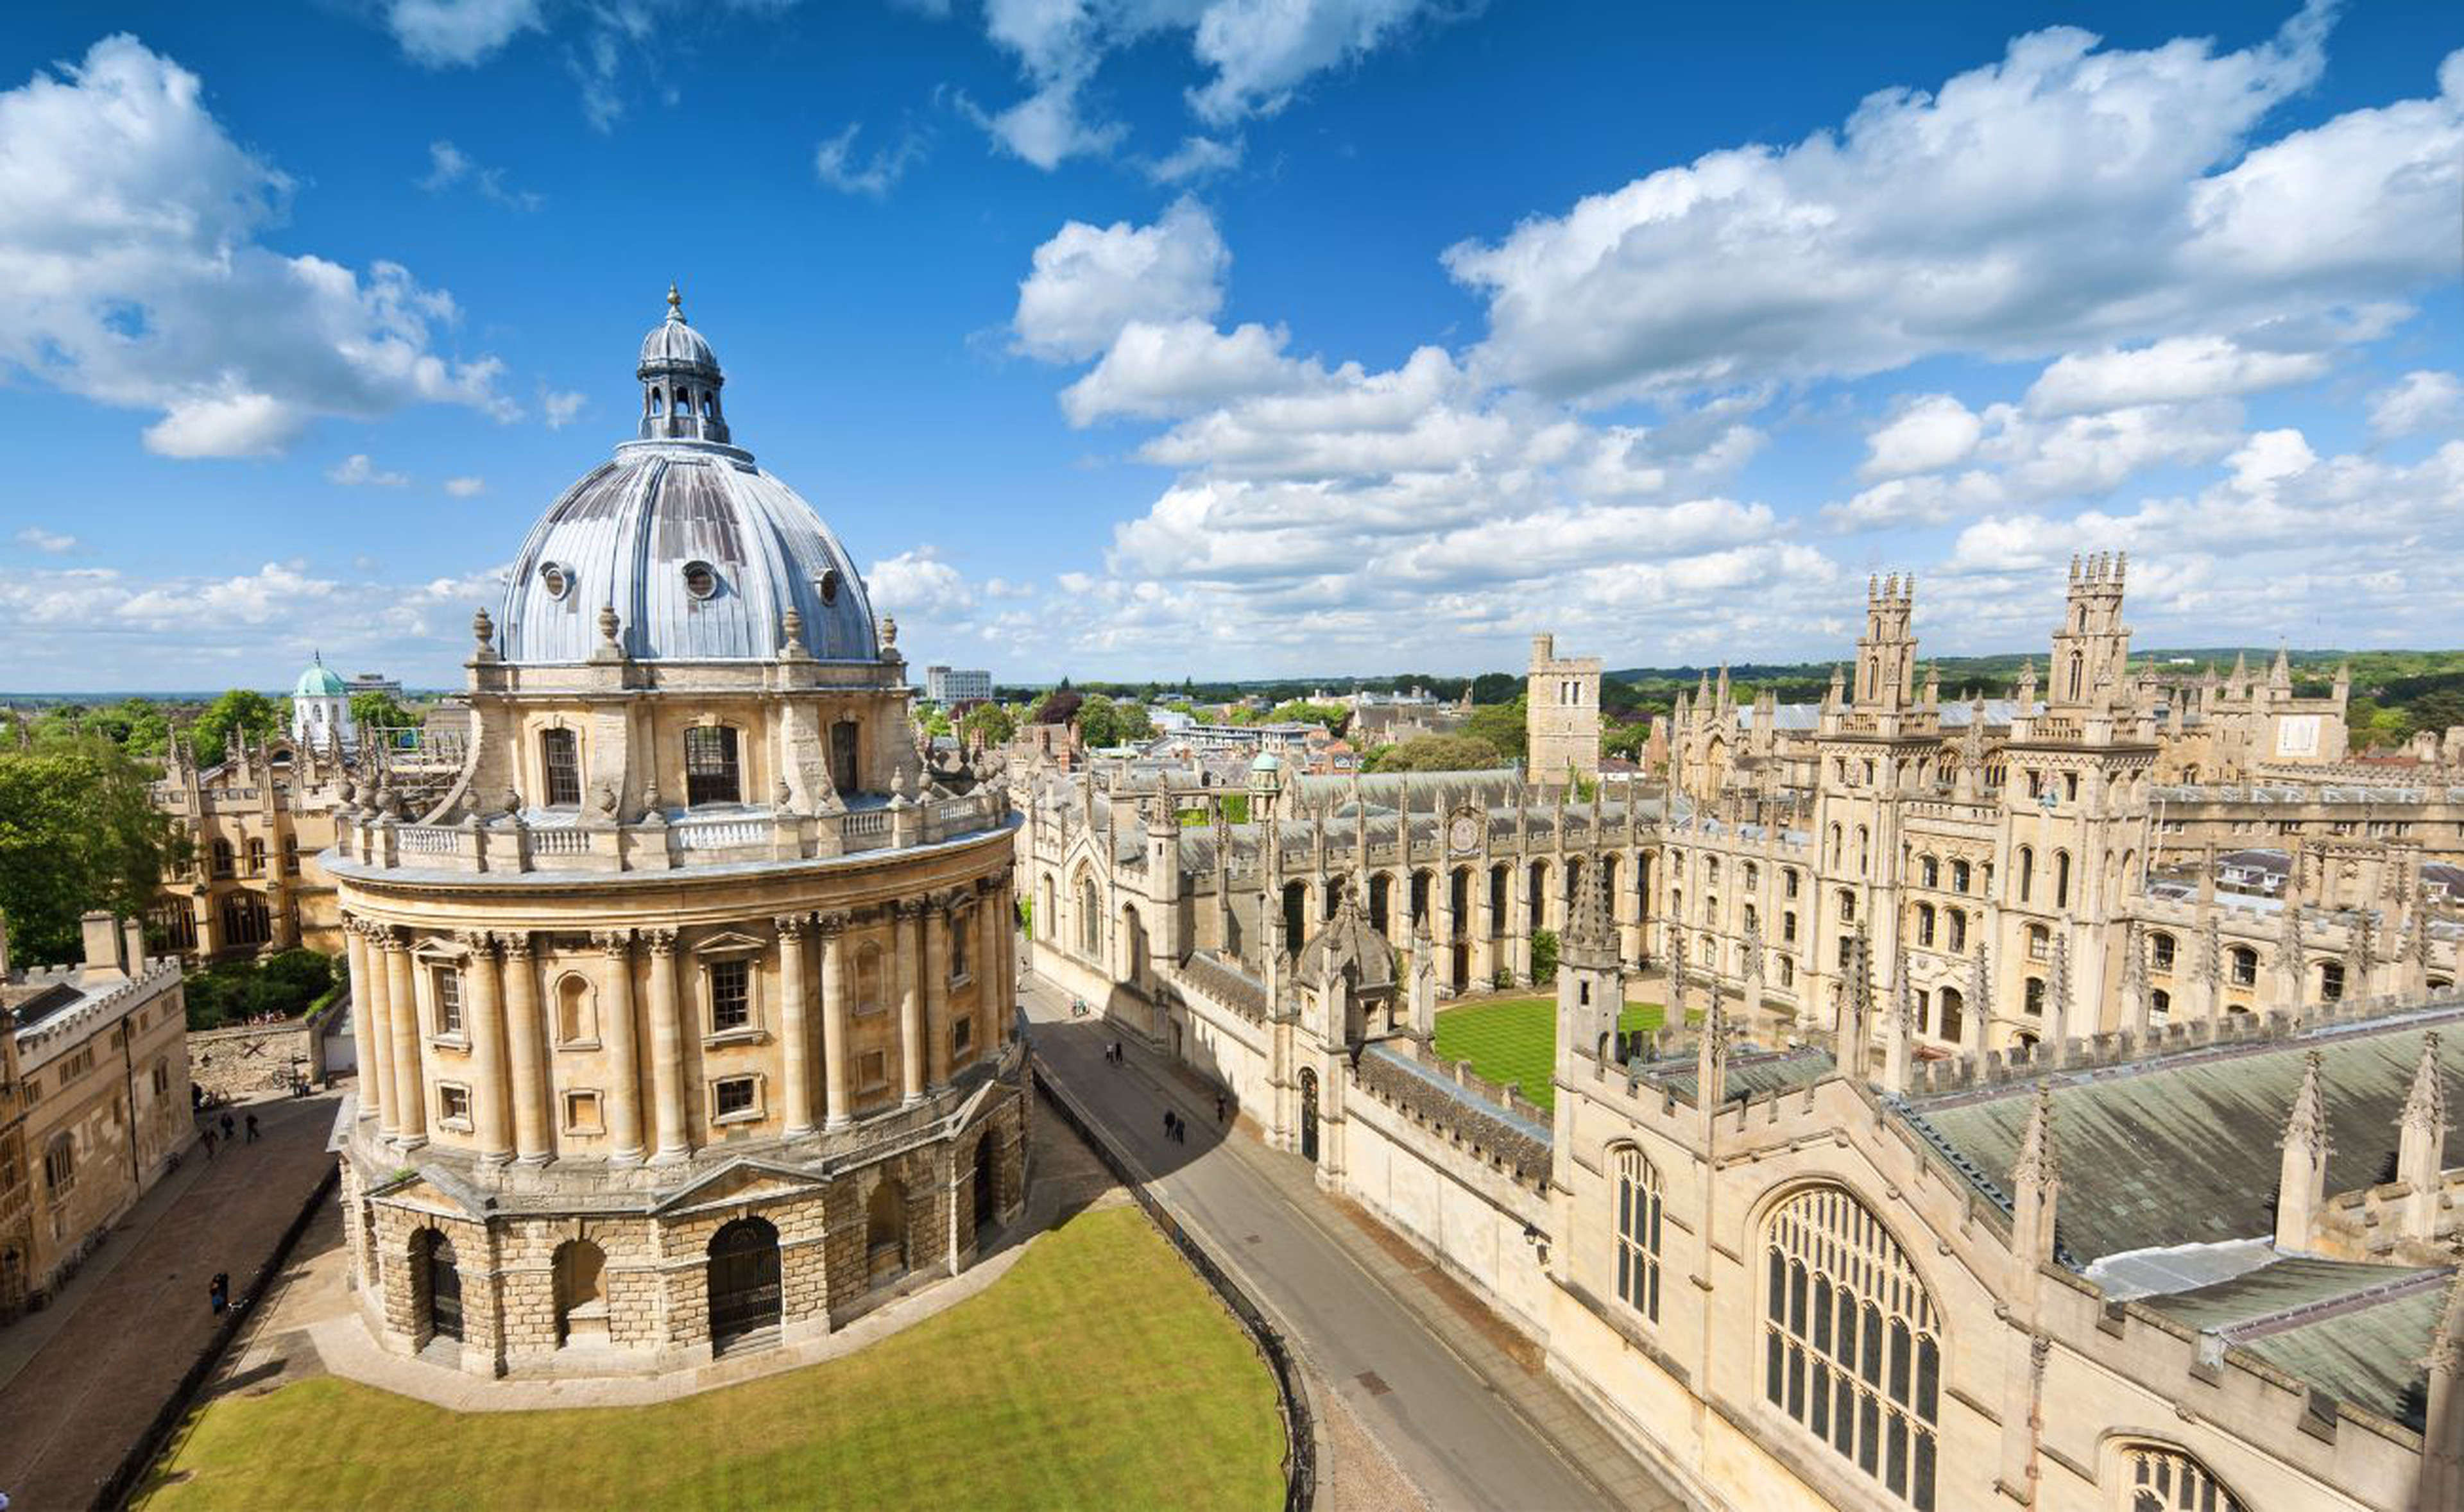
(105, 1359)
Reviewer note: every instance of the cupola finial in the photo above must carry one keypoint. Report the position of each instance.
(676, 303)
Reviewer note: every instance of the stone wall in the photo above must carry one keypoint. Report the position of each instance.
(251, 1060)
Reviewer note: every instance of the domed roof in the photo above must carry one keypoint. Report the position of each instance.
(317, 682)
(699, 552)
(1265, 762)
(674, 343)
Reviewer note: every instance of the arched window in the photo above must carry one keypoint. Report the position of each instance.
(2079, 669)
(1753, 875)
(1851, 1343)
(224, 862)
(2331, 981)
(2157, 1478)
(577, 1010)
(2245, 966)
(1637, 1233)
(1958, 928)
(245, 919)
(1864, 851)
(2160, 1007)
(1847, 905)
(1710, 869)
(561, 765)
(2034, 1001)
(1952, 1027)
(1959, 876)
(2160, 952)
(1928, 872)
(1925, 924)
(1788, 881)
(885, 1232)
(2041, 943)
(2025, 863)
(580, 1269)
(2061, 879)
(1090, 920)
(256, 856)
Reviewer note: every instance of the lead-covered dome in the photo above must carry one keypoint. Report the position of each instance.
(700, 553)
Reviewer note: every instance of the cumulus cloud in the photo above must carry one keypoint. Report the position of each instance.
(2424, 400)
(1088, 282)
(54, 542)
(449, 166)
(1195, 157)
(2069, 197)
(837, 163)
(356, 471)
(129, 235)
(1257, 53)
(2176, 370)
(445, 34)
(918, 582)
(561, 406)
(466, 488)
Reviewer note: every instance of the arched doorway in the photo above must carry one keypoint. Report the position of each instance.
(432, 1253)
(987, 1188)
(581, 1293)
(885, 1232)
(743, 1282)
(1309, 1115)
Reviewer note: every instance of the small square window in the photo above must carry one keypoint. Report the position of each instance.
(730, 995)
(737, 1097)
(872, 1068)
(582, 1113)
(454, 1103)
(962, 1034)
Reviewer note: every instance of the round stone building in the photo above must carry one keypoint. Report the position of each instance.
(683, 989)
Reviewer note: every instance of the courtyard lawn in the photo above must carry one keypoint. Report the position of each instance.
(1515, 1039)
(1098, 1373)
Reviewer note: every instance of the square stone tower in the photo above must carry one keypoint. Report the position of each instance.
(1562, 714)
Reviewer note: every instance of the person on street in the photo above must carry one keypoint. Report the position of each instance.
(218, 1292)
(252, 1129)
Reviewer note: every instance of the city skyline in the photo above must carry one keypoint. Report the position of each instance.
(1150, 340)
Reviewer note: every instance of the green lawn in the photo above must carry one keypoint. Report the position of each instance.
(1099, 1372)
(1515, 1039)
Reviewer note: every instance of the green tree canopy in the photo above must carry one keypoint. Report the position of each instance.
(1436, 754)
(1501, 726)
(1059, 707)
(1102, 722)
(242, 708)
(376, 709)
(77, 831)
(1300, 710)
(989, 723)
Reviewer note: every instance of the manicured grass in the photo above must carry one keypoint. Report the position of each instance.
(1515, 1039)
(1098, 1373)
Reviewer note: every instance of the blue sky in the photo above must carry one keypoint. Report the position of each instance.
(1144, 337)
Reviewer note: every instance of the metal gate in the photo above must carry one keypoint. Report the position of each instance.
(444, 1288)
(743, 1281)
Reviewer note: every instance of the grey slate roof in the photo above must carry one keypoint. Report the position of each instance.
(2183, 1148)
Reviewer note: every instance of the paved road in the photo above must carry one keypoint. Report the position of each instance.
(1472, 1428)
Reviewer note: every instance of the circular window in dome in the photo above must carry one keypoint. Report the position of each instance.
(701, 578)
(555, 578)
(830, 585)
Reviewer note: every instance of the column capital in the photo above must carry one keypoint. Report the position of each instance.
(615, 942)
(830, 925)
(791, 926)
(517, 943)
(908, 909)
(387, 937)
(985, 886)
(478, 942)
(662, 942)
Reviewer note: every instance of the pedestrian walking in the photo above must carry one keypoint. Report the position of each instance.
(218, 1292)
(1167, 1123)
(209, 1140)
(229, 1127)
(252, 1129)
(1219, 1108)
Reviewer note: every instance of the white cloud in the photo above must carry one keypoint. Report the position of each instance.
(918, 583)
(1921, 457)
(356, 471)
(445, 34)
(128, 238)
(1159, 370)
(45, 541)
(2064, 198)
(1195, 157)
(837, 163)
(561, 406)
(2426, 400)
(466, 488)
(2176, 370)
(449, 166)
(1257, 53)
(1089, 282)
(1929, 433)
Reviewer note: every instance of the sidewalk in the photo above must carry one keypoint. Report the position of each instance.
(78, 1392)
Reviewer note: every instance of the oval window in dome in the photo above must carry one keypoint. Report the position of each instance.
(828, 583)
(701, 578)
(555, 578)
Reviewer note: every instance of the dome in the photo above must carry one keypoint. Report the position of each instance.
(699, 552)
(319, 682)
(1265, 762)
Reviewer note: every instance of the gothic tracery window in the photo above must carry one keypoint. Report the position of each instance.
(2156, 1478)
(1637, 1233)
(1851, 1340)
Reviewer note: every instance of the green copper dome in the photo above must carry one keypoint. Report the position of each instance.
(319, 682)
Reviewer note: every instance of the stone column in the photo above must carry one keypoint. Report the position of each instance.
(794, 1036)
(911, 1000)
(525, 1042)
(364, 1023)
(992, 1007)
(667, 1048)
(624, 1043)
(836, 1084)
(409, 1099)
(490, 1112)
(936, 989)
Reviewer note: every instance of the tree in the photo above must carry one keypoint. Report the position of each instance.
(1059, 708)
(1543, 955)
(1301, 710)
(376, 709)
(990, 724)
(1501, 725)
(77, 831)
(1102, 722)
(1436, 754)
(1497, 687)
(243, 709)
